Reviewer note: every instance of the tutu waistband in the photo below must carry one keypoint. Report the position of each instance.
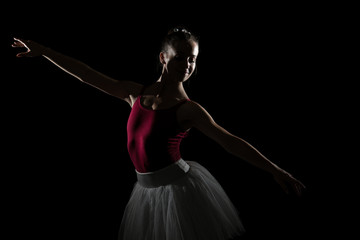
(163, 176)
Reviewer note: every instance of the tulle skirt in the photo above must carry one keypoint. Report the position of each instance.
(180, 202)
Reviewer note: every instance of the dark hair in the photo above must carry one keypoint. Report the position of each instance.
(178, 33)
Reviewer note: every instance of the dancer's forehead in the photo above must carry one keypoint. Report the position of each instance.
(185, 47)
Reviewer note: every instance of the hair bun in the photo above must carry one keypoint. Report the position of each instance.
(179, 29)
(177, 33)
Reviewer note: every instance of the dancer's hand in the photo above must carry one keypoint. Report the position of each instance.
(34, 49)
(288, 182)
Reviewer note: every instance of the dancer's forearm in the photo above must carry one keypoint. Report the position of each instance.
(68, 64)
(247, 152)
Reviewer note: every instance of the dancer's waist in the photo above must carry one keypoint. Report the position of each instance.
(163, 176)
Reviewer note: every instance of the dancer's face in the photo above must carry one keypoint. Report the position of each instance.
(179, 61)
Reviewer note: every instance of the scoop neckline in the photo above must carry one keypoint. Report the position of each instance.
(162, 109)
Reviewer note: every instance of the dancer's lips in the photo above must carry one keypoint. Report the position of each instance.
(184, 71)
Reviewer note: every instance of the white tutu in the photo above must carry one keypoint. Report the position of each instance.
(193, 206)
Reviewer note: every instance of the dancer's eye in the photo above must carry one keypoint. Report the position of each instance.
(192, 59)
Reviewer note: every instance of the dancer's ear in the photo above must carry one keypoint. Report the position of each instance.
(162, 58)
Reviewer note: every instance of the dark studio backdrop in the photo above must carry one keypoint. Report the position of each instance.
(260, 75)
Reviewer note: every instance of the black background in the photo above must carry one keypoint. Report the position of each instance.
(266, 73)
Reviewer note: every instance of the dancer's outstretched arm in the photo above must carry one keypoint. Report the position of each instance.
(125, 90)
(194, 115)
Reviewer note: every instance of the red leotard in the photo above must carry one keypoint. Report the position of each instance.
(154, 137)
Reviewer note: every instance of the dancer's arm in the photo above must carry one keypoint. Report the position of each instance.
(196, 116)
(126, 90)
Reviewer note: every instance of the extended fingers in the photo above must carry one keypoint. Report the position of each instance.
(298, 187)
(21, 43)
(23, 54)
(18, 43)
(20, 40)
(289, 183)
